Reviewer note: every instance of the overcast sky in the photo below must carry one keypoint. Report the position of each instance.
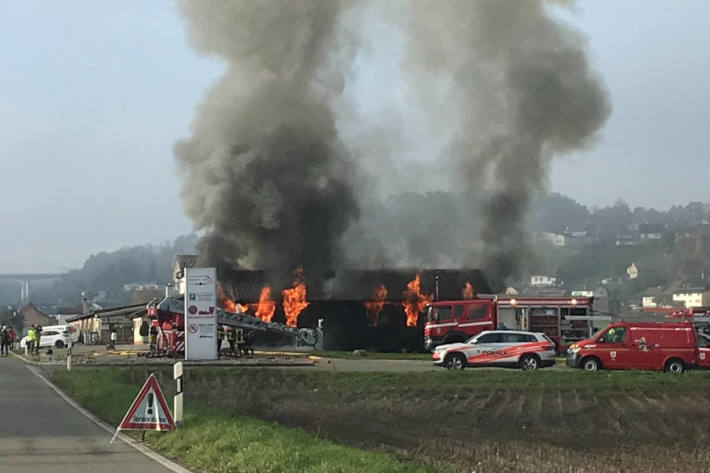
(93, 96)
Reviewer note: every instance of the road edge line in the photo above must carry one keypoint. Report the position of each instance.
(169, 464)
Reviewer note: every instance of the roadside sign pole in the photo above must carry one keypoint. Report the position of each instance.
(177, 400)
(69, 357)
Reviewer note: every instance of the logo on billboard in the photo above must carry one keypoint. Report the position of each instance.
(192, 309)
(192, 328)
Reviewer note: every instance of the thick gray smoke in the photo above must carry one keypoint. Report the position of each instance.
(524, 93)
(267, 177)
(274, 186)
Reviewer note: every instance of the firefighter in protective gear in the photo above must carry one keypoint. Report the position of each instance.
(231, 337)
(153, 338)
(239, 341)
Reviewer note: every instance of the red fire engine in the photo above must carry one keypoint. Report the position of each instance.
(564, 319)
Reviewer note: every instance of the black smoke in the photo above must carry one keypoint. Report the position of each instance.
(266, 175)
(273, 185)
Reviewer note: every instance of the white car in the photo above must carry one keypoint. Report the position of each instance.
(50, 338)
(506, 348)
(71, 332)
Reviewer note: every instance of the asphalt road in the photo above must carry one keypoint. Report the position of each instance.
(39, 431)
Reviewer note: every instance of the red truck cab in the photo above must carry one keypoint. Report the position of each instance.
(457, 321)
(666, 346)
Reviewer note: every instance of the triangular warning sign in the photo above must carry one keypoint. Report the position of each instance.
(149, 410)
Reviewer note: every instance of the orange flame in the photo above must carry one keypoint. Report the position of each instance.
(414, 301)
(375, 306)
(242, 309)
(266, 307)
(224, 301)
(228, 303)
(467, 292)
(295, 298)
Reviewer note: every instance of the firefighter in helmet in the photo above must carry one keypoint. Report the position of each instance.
(231, 337)
(240, 342)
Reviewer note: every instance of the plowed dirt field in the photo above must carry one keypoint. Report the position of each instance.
(487, 421)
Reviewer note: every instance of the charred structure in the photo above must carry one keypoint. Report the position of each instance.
(344, 304)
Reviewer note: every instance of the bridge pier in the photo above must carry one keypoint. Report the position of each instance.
(25, 280)
(25, 292)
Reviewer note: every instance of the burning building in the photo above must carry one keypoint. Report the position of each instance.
(376, 309)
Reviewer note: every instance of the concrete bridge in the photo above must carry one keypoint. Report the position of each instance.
(25, 279)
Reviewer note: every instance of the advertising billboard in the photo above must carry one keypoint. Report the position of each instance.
(201, 314)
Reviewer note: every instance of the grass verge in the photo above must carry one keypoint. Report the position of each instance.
(488, 421)
(348, 355)
(557, 380)
(215, 441)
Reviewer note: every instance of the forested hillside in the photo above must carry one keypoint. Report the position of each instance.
(599, 243)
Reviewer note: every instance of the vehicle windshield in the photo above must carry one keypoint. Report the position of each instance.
(703, 340)
(438, 313)
(597, 331)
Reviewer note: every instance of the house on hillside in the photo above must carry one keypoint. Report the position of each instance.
(33, 316)
(632, 271)
(540, 280)
(553, 238)
(626, 239)
(693, 293)
(141, 286)
(652, 297)
(574, 233)
(178, 274)
(582, 293)
(651, 231)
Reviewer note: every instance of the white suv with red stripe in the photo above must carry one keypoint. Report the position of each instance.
(506, 348)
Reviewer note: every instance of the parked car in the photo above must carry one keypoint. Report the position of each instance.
(50, 338)
(505, 348)
(668, 346)
(71, 331)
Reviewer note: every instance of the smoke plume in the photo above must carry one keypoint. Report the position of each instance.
(524, 93)
(266, 176)
(273, 185)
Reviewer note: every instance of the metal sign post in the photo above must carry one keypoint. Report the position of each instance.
(177, 400)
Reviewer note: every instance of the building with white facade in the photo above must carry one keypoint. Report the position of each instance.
(540, 280)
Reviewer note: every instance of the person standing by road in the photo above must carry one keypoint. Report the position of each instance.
(114, 338)
(11, 336)
(31, 334)
(4, 341)
(38, 336)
